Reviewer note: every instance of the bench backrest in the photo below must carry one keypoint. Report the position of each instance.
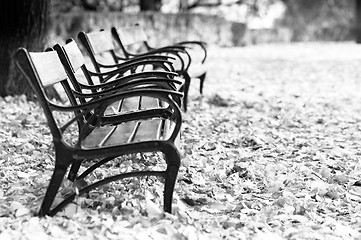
(74, 63)
(99, 45)
(102, 41)
(48, 67)
(132, 35)
(43, 69)
(130, 38)
(74, 55)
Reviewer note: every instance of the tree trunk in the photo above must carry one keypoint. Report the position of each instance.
(22, 24)
(150, 5)
(358, 21)
(183, 5)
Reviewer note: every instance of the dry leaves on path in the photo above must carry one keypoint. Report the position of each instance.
(270, 152)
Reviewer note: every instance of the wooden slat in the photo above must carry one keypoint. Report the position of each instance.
(139, 34)
(109, 135)
(97, 136)
(132, 35)
(148, 130)
(122, 134)
(101, 41)
(136, 103)
(48, 67)
(114, 108)
(134, 131)
(130, 104)
(125, 37)
(149, 103)
(74, 54)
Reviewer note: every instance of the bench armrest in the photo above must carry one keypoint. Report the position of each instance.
(167, 49)
(174, 51)
(128, 67)
(139, 60)
(141, 75)
(116, 97)
(201, 44)
(97, 107)
(135, 83)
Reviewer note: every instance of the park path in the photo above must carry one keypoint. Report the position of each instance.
(278, 133)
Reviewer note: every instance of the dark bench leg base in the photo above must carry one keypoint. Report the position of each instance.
(74, 170)
(187, 83)
(173, 160)
(54, 185)
(202, 78)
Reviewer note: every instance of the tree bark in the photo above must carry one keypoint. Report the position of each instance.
(358, 21)
(22, 24)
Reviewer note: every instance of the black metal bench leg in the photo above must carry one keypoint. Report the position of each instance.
(187, 83)
(173, 159)
(202, 78)
(55, 182)
(74, 170)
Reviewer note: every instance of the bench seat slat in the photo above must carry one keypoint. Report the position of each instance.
(132, 104)
(114, 108)
(148, 103)
(122, 133)
(146, 130)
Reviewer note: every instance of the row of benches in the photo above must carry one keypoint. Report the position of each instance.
(123, 104)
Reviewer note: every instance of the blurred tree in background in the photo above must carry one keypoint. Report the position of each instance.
(150, 5)
(358, 21)
(107, 5)
(22, 24)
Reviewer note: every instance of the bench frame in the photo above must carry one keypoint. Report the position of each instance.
(45, 69)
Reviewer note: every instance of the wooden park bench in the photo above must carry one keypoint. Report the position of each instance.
(135, 37)
(103, 54)
(83, 133)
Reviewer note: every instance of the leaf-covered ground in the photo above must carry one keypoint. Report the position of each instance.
(269, 152)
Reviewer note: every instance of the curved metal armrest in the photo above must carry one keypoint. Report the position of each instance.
(139, 60)
(100, 104)
(145, 57)
(163, 50)
(135, 83)
(173, 51)
(109, 74)
(163, 112)
(141, 75)
(116, 97)
(202, 44)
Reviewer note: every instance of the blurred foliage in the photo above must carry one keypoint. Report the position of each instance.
(321, 19)
(94, 5)
(305, 20)
(129, 5)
